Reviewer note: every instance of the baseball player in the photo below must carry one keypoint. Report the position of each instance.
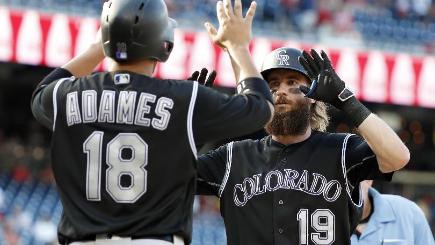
(123, 142)
(300, 184)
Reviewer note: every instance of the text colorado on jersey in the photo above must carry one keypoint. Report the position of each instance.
(288, 179)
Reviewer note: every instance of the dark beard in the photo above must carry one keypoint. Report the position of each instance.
(294, 122)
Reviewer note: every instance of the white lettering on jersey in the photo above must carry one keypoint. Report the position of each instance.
(107, 107)
(290, 177)
(144, 109)
(321, 188)
(125, 111)
(72, 109)
(285, 179)
(89, 106)
(303, 181)
(126, 107)
(278, 180)
(163, 104)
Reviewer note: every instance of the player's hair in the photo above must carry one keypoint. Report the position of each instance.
(319, 119)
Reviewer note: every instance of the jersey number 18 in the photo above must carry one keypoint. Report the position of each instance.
(134, 166)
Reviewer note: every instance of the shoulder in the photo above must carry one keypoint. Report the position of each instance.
(339, 138)
(320, 134)
(401, 203)
(258, 144)
(182, 88)
(178, 83)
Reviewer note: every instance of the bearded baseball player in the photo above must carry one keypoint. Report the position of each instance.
(300, 184)
(123, 142)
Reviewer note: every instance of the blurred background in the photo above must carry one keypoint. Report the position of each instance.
(383, 49)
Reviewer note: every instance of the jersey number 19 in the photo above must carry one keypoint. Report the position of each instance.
(322, 221)
(118, 166)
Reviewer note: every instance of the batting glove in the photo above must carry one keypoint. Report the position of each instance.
(201, 77)
(327, 86)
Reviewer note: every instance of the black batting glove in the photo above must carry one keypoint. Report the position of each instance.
(201, 77)
(327, 86)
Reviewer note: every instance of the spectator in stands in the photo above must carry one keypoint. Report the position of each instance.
(10, 236)
(20, 220)
(402, 9)
(45, 231)
(390, 218)
(421, 8)
(269, 10)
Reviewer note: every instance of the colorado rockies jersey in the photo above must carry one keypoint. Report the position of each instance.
(123, 149)
(301, 193)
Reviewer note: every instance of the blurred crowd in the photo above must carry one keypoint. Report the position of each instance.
(407, 24)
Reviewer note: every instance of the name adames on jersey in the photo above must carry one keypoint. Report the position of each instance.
(124, 112)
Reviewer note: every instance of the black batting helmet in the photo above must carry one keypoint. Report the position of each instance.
(283, 58)
(136, 30)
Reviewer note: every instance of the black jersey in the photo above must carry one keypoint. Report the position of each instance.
(301, 193)
(123, 149)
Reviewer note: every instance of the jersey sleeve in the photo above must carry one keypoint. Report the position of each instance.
(361, 163)
(42, 99)
(219, 116)
(212, 169)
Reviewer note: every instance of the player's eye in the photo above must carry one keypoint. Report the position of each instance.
(292, 82)
(273, 84)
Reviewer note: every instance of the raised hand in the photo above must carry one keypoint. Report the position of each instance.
(326, 85)
(234, 29)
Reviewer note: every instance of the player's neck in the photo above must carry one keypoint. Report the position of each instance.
(144, 67)
(367, 208)
(292, 139)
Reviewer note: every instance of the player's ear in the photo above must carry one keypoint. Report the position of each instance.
(311, 101)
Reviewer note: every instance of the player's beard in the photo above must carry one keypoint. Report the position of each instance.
(293, 122)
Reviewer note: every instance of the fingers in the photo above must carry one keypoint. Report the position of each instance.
(203, 76)
(324, 77)
(309, 65)
(238, 8)
(326, 59)
(212, 32)
(317, 60)
(228, 8)
(251, 12)
(194, 76)
(211, 78)
(220, 12)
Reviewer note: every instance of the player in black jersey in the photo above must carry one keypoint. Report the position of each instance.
(123, 142)
(300, 184)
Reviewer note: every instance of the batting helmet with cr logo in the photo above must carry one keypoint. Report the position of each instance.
(283, 58)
